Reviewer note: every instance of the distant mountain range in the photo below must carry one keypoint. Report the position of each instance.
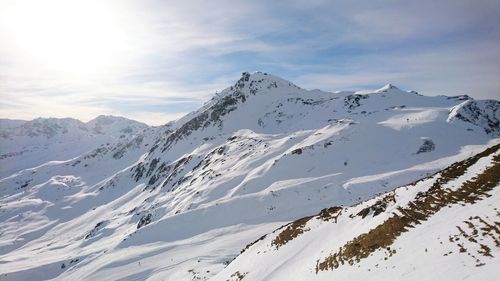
(266, 181)
(26, 144)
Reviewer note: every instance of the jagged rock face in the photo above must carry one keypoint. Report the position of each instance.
(259, 153)
(484, 114)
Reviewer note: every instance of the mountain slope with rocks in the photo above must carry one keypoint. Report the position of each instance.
(180, 201)
(442, 227)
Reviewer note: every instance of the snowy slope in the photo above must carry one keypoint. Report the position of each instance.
(27, 144)
(444, 227)
(180, 201)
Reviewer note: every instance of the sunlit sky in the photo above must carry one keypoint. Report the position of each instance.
(154, 61)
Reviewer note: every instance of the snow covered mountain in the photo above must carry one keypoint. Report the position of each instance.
(443, 227)
(180, 201)
(27, 144)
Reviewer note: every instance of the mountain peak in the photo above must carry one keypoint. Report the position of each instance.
(106, 118)
(257, 76)
(388, 87)
(257, 81)
(111, 119)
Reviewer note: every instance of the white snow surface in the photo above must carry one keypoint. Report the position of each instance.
(180, 201)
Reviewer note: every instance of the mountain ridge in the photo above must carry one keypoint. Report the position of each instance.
(55, 139)
(181, 200)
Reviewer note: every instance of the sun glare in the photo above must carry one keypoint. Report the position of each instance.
(82, 37)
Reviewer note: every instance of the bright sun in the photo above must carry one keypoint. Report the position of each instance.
(71, 37)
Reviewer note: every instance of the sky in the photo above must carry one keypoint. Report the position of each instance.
(154, 61)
